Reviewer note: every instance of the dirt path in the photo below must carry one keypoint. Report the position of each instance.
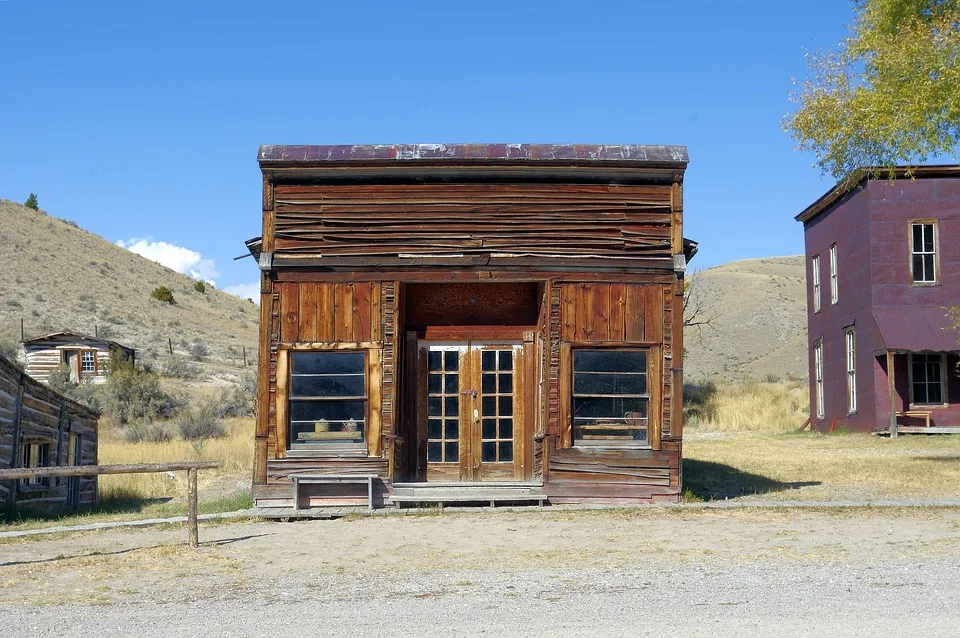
(517, 573)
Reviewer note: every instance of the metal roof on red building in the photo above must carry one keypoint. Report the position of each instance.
(917, 329)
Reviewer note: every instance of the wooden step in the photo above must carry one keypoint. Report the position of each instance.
(492, 493)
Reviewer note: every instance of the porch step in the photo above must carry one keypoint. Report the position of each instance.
(492, 493)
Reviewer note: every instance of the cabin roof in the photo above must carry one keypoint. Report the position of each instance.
(75, 337)
(861, 175)
(270, 154)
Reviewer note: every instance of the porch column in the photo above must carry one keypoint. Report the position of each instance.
(891, 391)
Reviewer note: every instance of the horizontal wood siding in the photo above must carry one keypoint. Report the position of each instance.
(585, 475)
(525, 219)
(30, 412)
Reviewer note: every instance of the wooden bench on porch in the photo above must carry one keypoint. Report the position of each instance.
(917, 414)
(485, 492)
(332, 479)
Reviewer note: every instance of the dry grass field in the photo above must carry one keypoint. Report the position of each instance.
(61, 277)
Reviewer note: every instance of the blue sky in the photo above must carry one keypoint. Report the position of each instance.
(141, 121)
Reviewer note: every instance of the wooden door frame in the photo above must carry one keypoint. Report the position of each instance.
(524, 369)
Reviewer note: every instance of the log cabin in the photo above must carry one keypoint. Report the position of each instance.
(469, 323)
(41, 428)
(87, 358)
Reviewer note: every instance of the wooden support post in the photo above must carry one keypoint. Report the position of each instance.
(892, 391)
(192, 506)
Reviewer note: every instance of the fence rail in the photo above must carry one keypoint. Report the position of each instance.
(191, 468)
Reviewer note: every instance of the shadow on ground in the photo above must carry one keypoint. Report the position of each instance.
(27, 511)
(715, 481)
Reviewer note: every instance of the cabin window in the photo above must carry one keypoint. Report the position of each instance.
(850, 339)
(815, 263)
(927, 379)
(923, 252)
(818, 376)
(88, 361)
(35, 455)
(834, 293)
(611, 398)
(328, 400)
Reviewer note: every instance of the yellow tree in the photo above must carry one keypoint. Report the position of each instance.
(889, 94)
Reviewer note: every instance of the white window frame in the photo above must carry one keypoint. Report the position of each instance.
(943, 379)
(834, 288)
(815, 263)
(91, 357)
(850, 341)
(934, 253)
(818, 376)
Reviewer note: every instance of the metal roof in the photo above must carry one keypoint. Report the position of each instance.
(843, 187)
(917, 329)
(652, 154)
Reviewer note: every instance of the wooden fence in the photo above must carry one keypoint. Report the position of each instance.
(39, 427)
(136, 468)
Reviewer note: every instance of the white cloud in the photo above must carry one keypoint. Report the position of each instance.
(178, 258)
(247, 291)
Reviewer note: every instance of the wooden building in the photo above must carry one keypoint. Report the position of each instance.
(882, 259)
(87, 358)
(470, 323)
(40, 428)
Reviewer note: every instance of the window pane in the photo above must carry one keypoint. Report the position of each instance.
(488, 360)
(451, 406)
(434, 384)
(917, 238)
(435, 360)
(506, 451)
(451, 360)
(506, 383)
(451, 452)
(607, 408)
(327, 363)
(451, 383)
(928, 274)
(451, 429)
(434, 429)
(489, 429)
(488, 406)
(506, 428)
(609, 361)
(434, 452)
(434, 406)
(488, 452)
(489, 383)
(596, 383)
(928, 238)
(506, 406)
(506, 360)
(333, 411)
(327, 386)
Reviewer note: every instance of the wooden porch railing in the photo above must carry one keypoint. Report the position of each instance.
(191, 468)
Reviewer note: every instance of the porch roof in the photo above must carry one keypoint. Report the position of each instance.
(915, 329)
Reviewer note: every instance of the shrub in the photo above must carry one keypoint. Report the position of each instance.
(146, 432)
(242, 399)
(10, 350)
(178, 368)
(164, 294)
(32, 202)
(203, 420)
(198, 350)
(132, 392)
(200, 287)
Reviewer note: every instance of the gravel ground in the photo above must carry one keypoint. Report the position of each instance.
(876, 573)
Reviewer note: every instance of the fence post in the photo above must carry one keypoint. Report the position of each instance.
(192, 506)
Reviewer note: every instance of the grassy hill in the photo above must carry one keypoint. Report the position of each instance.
(60, 277)
(759, 325)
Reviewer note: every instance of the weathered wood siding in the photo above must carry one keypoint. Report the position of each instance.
(41, 361)
(612, 313)
(527, 219)
(30, 412)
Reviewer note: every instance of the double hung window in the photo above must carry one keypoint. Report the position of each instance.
(818, 376)
(815, 276)
(926, 372)
(611, 398)
(834, 292)
(850, 339)
(923, 252)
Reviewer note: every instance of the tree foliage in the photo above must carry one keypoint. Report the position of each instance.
(32, 202)
(164, 294)
(889, 95)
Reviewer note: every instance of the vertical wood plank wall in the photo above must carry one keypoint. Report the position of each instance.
(611, 313)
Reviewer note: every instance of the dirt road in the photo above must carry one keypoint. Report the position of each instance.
(641, 572)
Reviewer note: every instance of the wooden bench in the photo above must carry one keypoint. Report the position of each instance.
(332, 479)
(917, 414)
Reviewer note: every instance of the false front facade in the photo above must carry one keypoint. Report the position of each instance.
(505, 319)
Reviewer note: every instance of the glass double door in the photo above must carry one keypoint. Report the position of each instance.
(471, 411)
